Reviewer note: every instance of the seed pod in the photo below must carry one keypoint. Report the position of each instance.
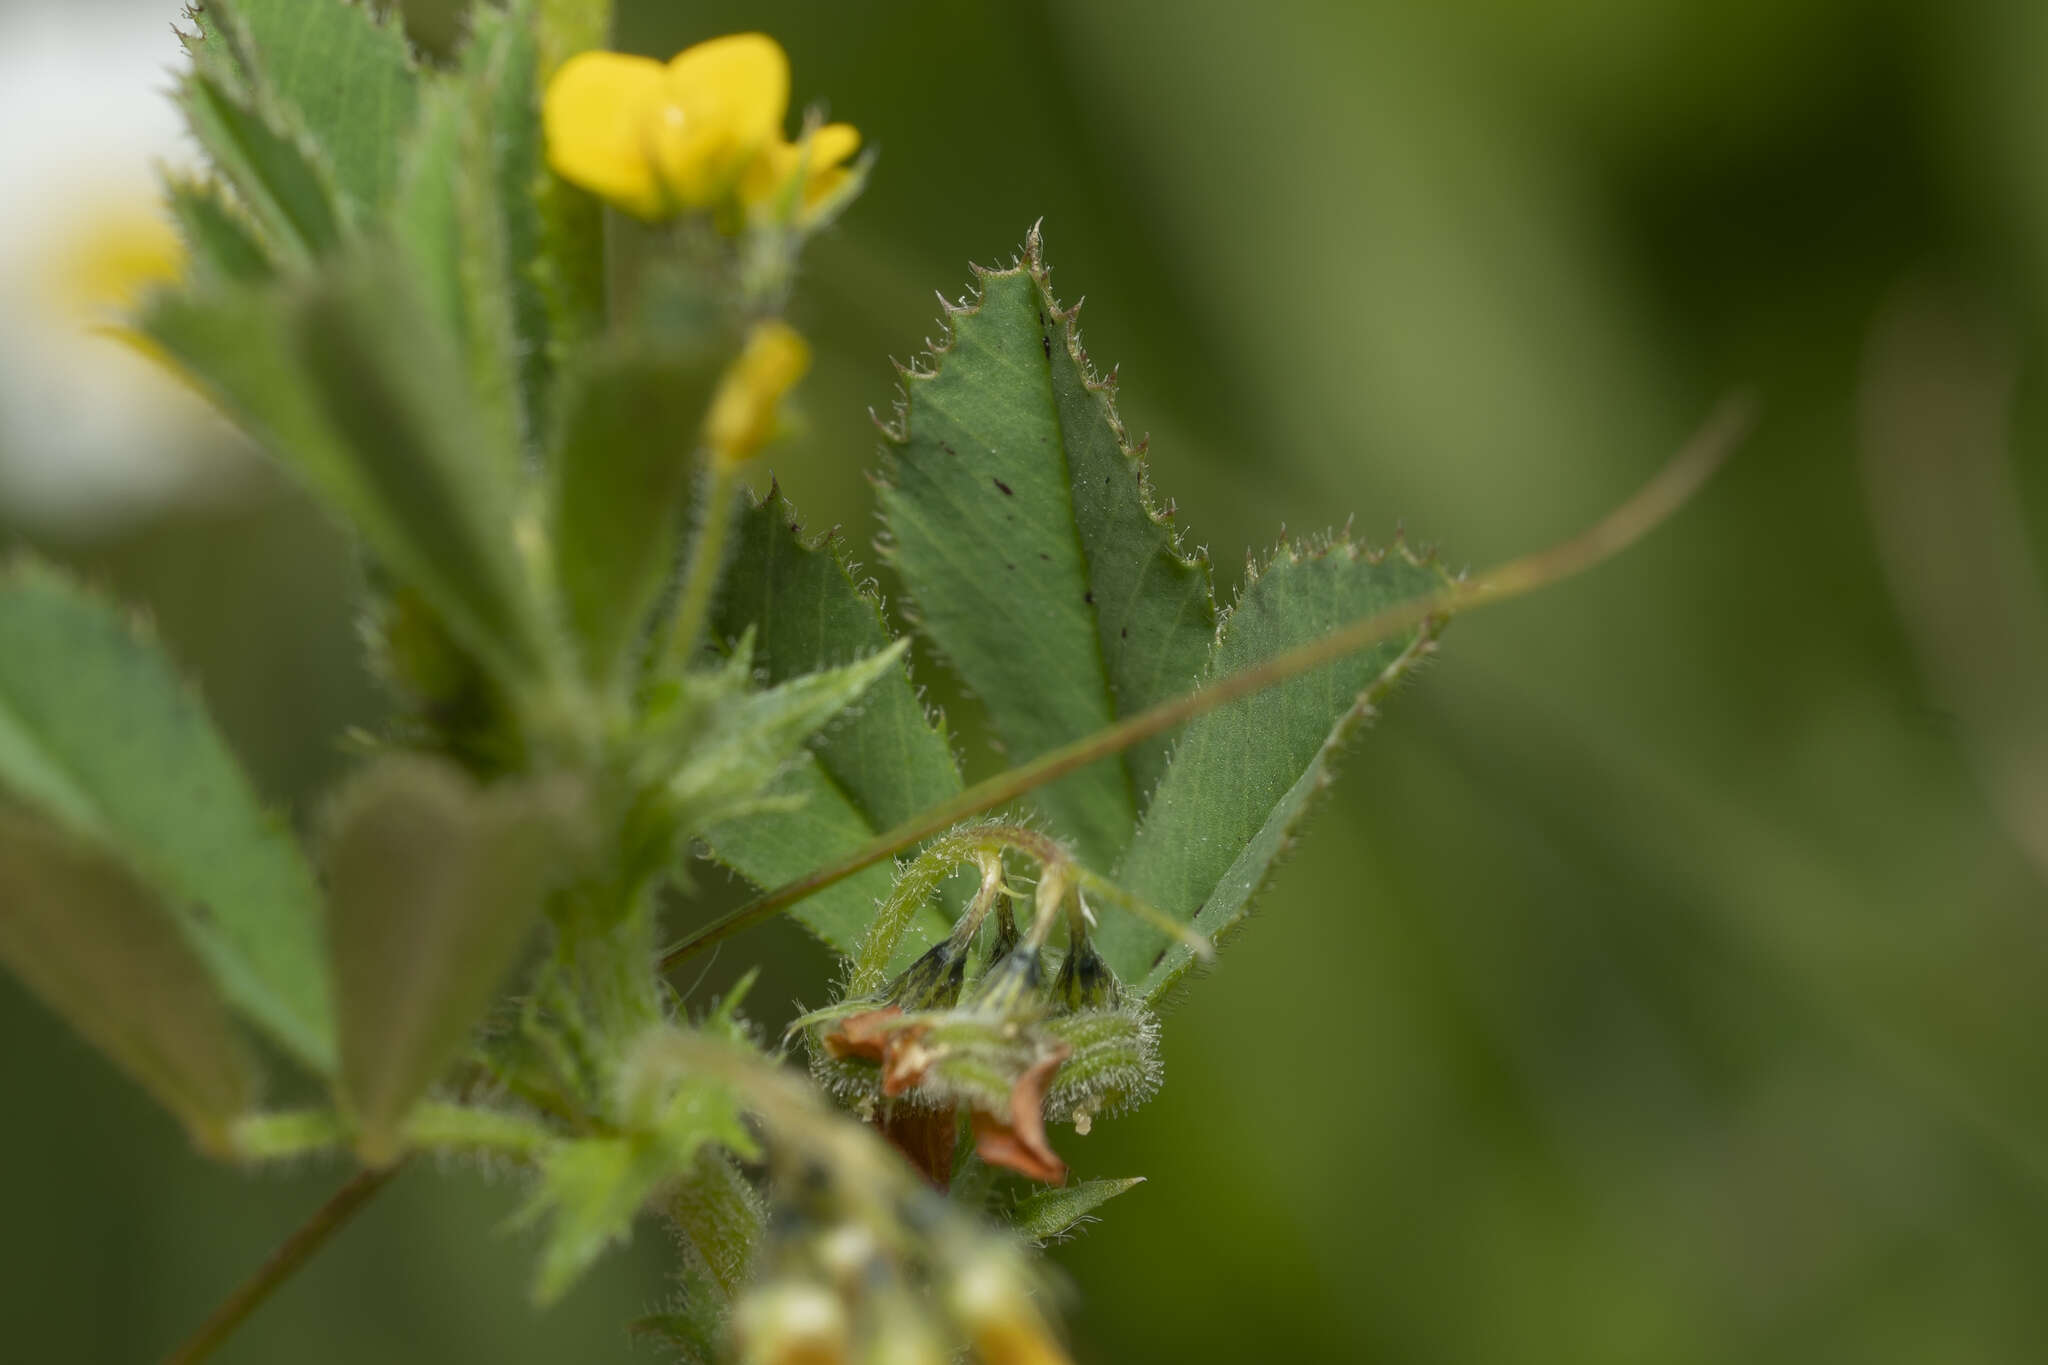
(933, 981)
(1113, 1066)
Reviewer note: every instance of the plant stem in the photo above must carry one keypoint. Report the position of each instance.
(1669, 490)
(292, 1253)
(707, 556)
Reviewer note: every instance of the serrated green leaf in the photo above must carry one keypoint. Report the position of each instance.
(1021, 523)
(808, 613)
(434, 886)
(221, 246)
(284, 186)
(344, 75)
(1051, 1214)
(806, 820)
(878, 766)
(1242, 775)
(98, 733)
(622, 467)
(349, 381)
(99, 951)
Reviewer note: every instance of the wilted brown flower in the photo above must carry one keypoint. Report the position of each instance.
(1019, 1142)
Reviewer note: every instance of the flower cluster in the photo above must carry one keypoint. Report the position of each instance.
(701, 132)
(1013, 1046)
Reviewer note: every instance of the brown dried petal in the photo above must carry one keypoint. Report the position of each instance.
(905, 1059)
(862, 1035)
(1020, 1142)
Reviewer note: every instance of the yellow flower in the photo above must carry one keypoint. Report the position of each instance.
(104, 271)
(745, 411)
(820, 159)
(696, 133)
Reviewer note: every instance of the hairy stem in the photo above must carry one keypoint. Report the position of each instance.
(707, 556)
(1695, 462)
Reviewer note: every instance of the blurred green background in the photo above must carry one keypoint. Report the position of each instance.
(1659, 984)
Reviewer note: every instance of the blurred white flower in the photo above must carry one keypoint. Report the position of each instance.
(93, 432)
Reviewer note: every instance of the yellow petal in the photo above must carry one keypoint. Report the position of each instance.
(832, 144)
(745, 76)
(598, 114)
(767, 179)
(744, 411)
(723, 103)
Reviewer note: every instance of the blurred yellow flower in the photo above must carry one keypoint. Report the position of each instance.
(699, 132)
(103, 272)
(745, 412)
(987, 1300)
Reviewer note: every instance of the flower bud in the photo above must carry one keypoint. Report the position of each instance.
(747, 406)
(1085, 981)
(933, 981)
